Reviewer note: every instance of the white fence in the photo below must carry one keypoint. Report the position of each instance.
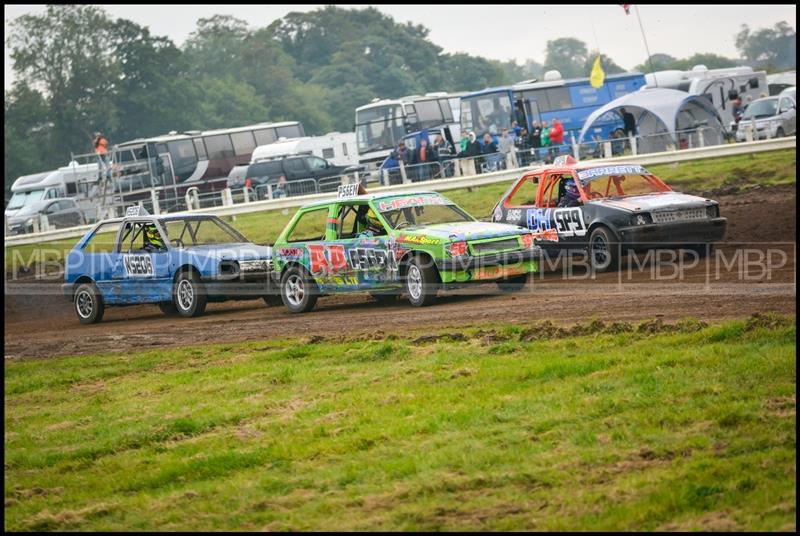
(254, 205)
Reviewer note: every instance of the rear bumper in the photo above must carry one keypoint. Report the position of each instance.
(659, 235)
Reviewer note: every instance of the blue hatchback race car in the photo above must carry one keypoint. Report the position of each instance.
(178, 261)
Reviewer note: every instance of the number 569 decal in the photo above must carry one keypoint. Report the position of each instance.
(569, 221)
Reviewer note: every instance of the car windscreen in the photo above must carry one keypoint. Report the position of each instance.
(761, 108)
(20, 199)
(200, 232)
(619, 181)
(414, 211)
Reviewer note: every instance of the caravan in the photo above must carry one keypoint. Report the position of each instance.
(721, 86)
(335, 147)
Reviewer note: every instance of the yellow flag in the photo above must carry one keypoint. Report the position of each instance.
(598, 76)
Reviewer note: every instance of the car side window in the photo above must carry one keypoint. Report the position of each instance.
(316, 163)
(550, 196)
(310, 226)
(348, 221)
(525, 194)
(103, 240)
(295, 164)
(52, 208)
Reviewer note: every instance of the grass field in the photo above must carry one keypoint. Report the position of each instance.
(511, 427)
(772, 168)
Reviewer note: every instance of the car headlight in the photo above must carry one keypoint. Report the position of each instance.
(643, 218)
(255, 266)
(712, 211)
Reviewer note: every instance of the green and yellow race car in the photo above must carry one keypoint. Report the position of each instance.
(387, 244)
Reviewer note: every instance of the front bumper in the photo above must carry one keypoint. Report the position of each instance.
(250, 284)
(489, 267)
(660, 235)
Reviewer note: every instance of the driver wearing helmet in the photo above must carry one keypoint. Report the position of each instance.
(152, 239)
(571, 197)
(372, 225)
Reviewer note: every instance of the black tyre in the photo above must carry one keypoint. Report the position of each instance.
(188, 295)
(421, 282)
(603, 250)
(89, 305)
(168, 308)
(298, 290)
(513, 284)
(273, 300)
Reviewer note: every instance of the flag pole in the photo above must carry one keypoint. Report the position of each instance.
(647, 48)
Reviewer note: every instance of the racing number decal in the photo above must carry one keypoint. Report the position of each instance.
(569, 221)
(334, 262)
(331, 259)
(138, 265)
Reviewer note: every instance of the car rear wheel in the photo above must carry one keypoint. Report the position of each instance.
(421, 282)
(89, 304)
(188, 295)
(298, 290)
(512, 284)
(603, 250)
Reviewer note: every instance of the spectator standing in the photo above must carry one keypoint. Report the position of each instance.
(506, 147)
(535, 139)
(521, 147)
(442, 151)
(556, 137)
(101, 150)
(629, 121)
(422, 159)
(489, 150)
(281, 189)
(470, 153)
(516, 128)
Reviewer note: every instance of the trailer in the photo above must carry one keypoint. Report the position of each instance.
(336, 147)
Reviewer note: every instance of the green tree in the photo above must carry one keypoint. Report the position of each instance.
(774, 48)
(27, 134)
(568, 55)
(66, 53)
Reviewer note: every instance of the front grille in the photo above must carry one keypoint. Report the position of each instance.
(688, 214)
(482, 248)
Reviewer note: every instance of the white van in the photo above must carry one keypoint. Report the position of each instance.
(336, 147)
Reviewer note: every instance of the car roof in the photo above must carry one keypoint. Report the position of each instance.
(161, 217)
(367, 197)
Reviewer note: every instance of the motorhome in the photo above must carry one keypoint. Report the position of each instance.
(336, 147)
(78, 181)
(721, 86)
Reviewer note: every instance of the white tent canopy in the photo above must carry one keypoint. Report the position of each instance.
(664, 118)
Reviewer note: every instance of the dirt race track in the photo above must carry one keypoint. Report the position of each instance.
(754, 271)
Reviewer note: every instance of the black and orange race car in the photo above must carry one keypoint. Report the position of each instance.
(607, 209)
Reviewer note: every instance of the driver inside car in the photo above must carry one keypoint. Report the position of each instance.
(152, 239)
(372, 226)
(571, 197)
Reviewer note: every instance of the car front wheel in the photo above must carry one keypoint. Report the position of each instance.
(89, 304)
(603, 250)
(188, 295)
(421, 283)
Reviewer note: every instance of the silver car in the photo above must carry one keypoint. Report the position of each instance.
(60, 213)
(770, 117)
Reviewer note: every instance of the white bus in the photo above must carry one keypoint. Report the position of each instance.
(381, 124)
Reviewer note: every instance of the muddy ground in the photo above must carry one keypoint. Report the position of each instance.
(735, 282)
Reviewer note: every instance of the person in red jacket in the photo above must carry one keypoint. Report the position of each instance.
(556, 137)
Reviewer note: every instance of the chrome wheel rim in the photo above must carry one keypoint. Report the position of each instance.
(295, 290)
(414, 282)
(84, 304)
(185, 294)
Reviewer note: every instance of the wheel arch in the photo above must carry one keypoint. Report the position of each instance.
(402, 264)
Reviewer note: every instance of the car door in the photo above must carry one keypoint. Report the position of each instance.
(370, 263)
(139, 275)
(72, 215)
(788, 114)
(566, 225)
(318, 167)
(57, 217)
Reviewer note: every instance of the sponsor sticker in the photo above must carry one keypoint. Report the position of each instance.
(587, 174)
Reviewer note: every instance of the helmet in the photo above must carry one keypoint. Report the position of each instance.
(571, 189)
(152, 236)
(372, 221)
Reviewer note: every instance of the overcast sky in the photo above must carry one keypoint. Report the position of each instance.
(502, 32)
